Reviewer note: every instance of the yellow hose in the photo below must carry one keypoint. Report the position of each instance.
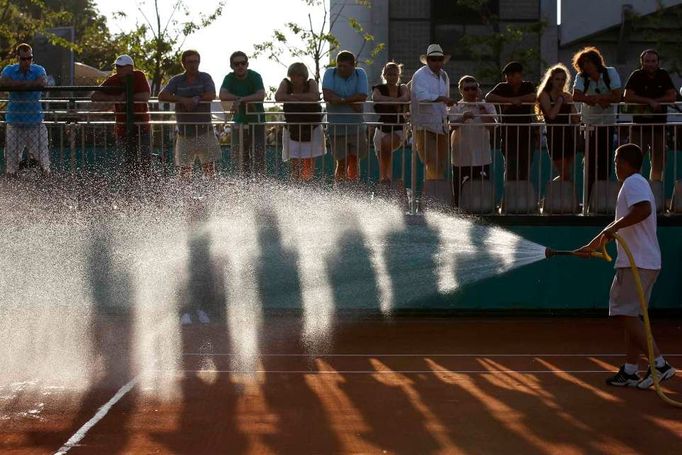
(647, 326)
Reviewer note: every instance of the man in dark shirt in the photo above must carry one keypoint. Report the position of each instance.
(650, 86)
(516, 97)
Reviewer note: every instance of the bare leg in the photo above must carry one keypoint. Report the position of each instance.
(209, 169)
(186, 173)
(389, 143)
(340, 171)
(353, 169)
(635, 339)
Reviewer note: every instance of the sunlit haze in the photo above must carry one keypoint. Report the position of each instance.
(242, 24)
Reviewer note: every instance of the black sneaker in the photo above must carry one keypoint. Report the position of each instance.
(622, 379)
(664, 372)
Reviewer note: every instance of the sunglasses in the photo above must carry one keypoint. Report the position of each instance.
(25, 59)
(240, 63)
(435, 59)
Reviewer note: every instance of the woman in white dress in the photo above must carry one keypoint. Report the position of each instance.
(302, 137)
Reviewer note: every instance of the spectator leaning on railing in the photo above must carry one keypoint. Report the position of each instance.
(135, 145)
(389, 134)
(430, 98)
(345, 88)
(555, 106)
(25, 128)
(516, 97)
(472, 120)
(598, 87)
(192, 93)
(244, 87)
(650, 86)
(302, 138)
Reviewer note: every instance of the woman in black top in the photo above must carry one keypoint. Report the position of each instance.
(389, 134)
(302, 138)
(556, 106)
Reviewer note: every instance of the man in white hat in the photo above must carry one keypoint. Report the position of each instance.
(135, 144)
(429, 102)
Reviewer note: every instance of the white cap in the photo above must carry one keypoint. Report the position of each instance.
(124, 60)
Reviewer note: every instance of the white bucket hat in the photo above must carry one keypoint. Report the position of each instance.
(434, 50)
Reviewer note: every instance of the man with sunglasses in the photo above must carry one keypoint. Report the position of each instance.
(430, 98)
(25, 128)
(244, 88)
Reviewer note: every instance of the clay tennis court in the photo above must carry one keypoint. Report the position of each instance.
(401, 385)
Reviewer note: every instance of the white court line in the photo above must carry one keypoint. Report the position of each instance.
(101, 412)
(223, 354)
(316, 372)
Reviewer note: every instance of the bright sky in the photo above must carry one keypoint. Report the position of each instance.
(242, 24)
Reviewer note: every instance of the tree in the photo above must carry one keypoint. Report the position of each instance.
(662, 29)
(317, 41)
(164, 36)
(94, 43)
(21, 21)
(491, 51)
(29, 18)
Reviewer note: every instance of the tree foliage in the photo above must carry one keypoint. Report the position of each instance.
(662, 29)
(155, 44)
(313, 41)
(21, 21)
(491, 51)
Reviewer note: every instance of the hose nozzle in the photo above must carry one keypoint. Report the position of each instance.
(549, 252)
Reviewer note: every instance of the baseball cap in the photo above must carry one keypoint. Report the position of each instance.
(124, 60)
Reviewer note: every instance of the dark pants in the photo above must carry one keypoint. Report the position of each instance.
(250, 154)
(516, 141)
(135, 154)
(469, 173)
(598, 155)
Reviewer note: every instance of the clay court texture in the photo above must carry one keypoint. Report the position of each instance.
(381, 385)
(274, 319)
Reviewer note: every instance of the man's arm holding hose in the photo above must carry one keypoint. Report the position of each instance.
(638, 213)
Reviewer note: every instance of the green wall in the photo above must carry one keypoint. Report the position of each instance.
(565, 283)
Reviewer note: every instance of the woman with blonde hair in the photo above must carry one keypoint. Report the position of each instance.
(555, 105)
(389, 135)
(302, 137)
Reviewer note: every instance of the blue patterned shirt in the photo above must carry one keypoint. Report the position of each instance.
(24, 108)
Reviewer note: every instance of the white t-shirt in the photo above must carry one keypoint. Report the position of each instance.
(471, 146)
(595, 115)
(640, 237)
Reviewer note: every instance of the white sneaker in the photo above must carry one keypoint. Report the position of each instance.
(186, 319)
(203, 317)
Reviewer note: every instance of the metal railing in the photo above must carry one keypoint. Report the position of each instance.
(528, 168)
